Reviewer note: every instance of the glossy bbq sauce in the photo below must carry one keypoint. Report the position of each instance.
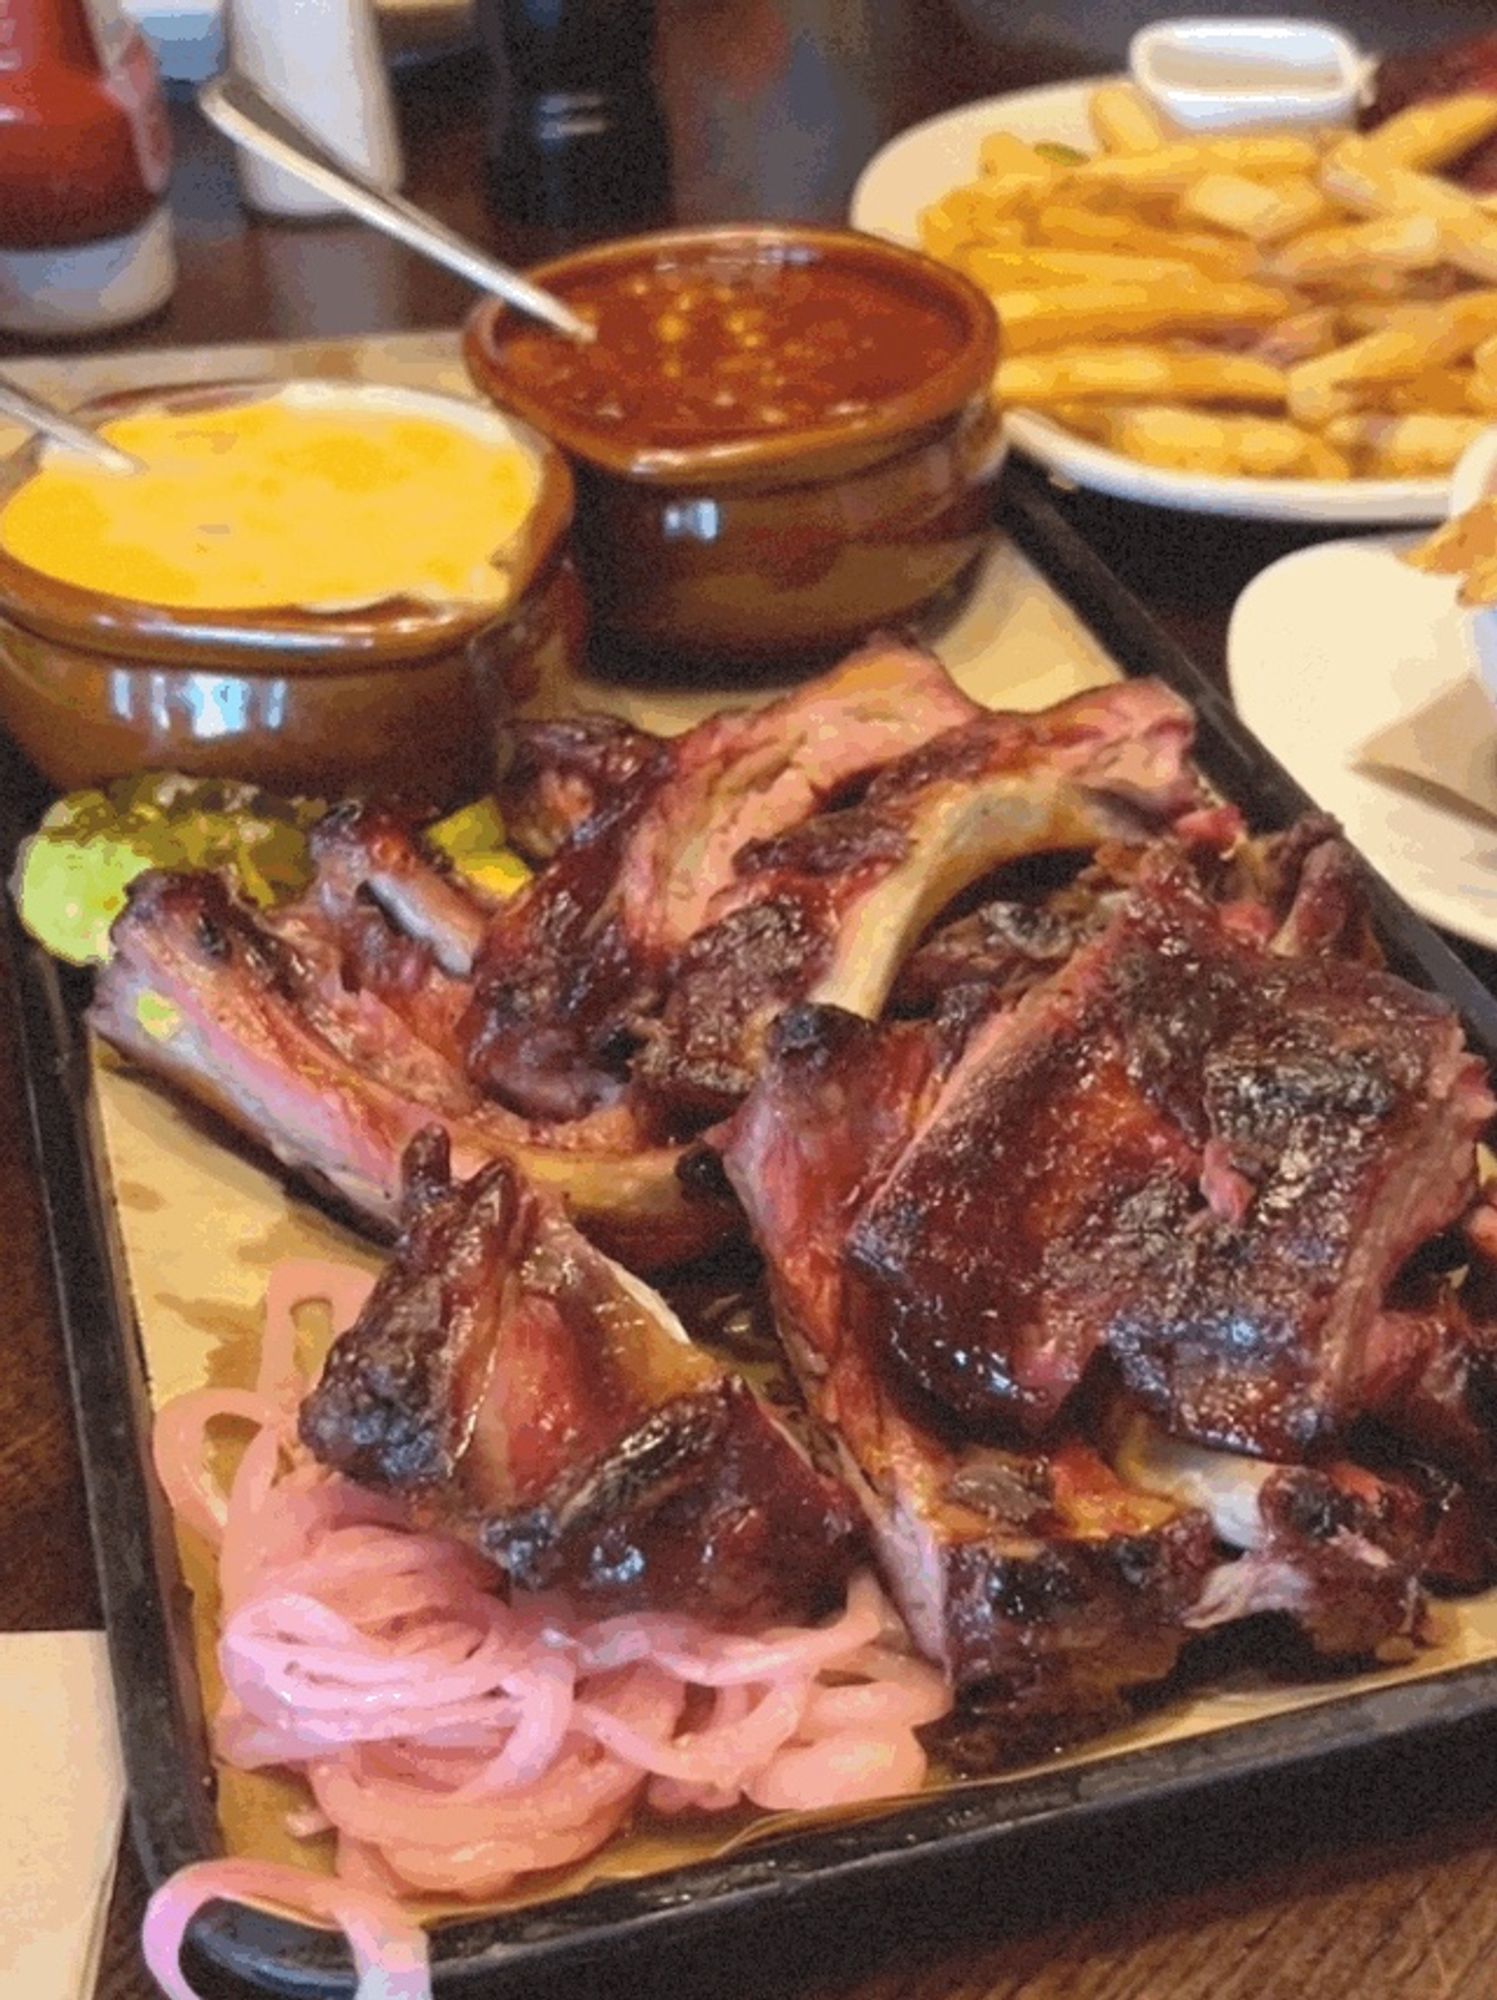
(711, 351)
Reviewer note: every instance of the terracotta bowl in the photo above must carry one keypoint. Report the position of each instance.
(791, 544)
(398, 695)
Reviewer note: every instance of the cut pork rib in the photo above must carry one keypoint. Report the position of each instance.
(746, 776)
(1036, 1574)
(1431, 1378)
(564, 773)
(1337, 1547)
(585, 952)
(829, 910)
(1206, 1157)
(204, 997)
(365, 854)
(1004, 947)
(384, 925)
(514, 1384)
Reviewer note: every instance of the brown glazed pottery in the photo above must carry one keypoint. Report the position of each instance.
(787, 545)
(403, 694)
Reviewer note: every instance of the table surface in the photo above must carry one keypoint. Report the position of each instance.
(1379, 1881)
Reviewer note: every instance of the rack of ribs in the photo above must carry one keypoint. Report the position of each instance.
(1036, 1575)
(1143, 1208)
(589, 1026)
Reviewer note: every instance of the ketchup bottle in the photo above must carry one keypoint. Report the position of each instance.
(85, 155)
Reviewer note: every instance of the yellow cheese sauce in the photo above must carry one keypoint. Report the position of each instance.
(322, 499)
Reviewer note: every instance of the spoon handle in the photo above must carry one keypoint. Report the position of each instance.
(244, 114)
(14, 402)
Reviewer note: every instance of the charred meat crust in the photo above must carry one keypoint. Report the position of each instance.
(588, 952)
(563, 773)
(1072, 1622)
(517, 1387)
(693, 1508)
(828, 909)
(1036, 1572)
(1206, 1158)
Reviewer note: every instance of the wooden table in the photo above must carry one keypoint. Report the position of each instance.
(1379, 1882)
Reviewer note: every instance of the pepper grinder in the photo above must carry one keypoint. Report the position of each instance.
(579, 146)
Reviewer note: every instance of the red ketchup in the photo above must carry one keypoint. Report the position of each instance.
(85, 155)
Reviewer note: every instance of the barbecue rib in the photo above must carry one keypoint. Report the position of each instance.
(828, 910)
(564, 773)
(1337, 1547)
(1205, 1157)
(381, 921)
(516, 1385)
(199, 994)
(1037, 1575)
(586, 951)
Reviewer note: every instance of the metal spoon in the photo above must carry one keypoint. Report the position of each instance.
(39, 416)
(246, 115)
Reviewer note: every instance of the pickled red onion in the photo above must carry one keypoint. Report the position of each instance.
(389, 1951)
(455, 1741)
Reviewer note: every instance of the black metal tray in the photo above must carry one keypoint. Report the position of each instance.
(795, 1880)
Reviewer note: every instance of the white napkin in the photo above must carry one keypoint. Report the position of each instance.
(1447, 746)
(63, 1790)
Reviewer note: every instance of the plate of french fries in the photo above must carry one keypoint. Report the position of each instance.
(1290, 325)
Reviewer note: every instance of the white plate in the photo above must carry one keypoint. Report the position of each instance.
(1326, 648)
(924, 163)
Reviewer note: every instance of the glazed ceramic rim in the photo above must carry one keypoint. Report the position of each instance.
(289, 638)
(967, 376)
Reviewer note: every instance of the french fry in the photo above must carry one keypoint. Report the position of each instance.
(1391, 286)
(1145, 374)
(1405, 447)
(1062, 315)
(1230, 447)
(1355, 173)
(1389, 242)
(1427, 338)
(1173, 168)
(1433, 133)
(1301, 337)
(1003, 157)
(1465, 547)
(1250, 208)
(1480, 586)
(1074, 228)
(1357, 316)
(1481, 390)
(1323, 461)
(1124, 121)
(1435, 391)
(945, 237)
(976, 211)
(1456, 545)
(940, 236)
(1005, 270)
(1088, 420)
